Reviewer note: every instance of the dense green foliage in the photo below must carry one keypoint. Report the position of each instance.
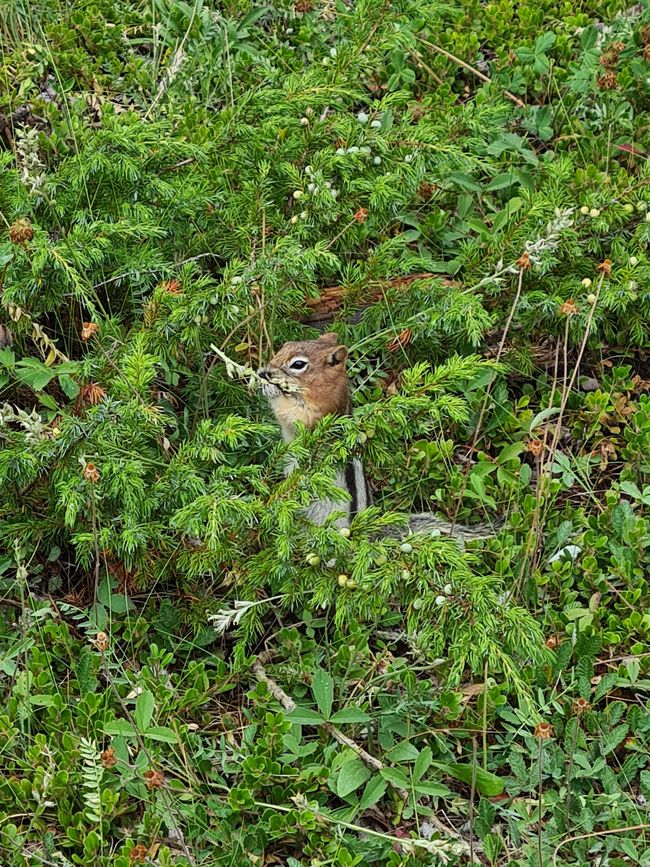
(467, 184)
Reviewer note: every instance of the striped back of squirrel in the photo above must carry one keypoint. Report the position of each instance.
(307, 380)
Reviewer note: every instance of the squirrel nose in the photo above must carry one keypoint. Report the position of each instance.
(263, 373)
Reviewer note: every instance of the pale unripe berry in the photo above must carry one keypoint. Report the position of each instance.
(586, 282)
(345, 532)
(584, 210)
(343, 580)
(591, 298)
(594, 212)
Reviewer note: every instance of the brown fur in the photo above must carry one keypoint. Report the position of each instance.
(308, 395)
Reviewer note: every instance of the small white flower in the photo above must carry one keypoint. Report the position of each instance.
(297, 194)
(340, 152)
(294, 219)
(303, 215)
(584, 210)
(634, 261)
(353, 150)
(311, 188)
(594, 212)
(408, 158)
(289, 31)
(586, 282)
(441, 600)
(362, 117)
(304, 121)
(377, 161)
(406, 548)
(375, 124)
(328, 185)
(345, 532)
(308, 170)
(236, 279)
(365, 149)
(334, 193)
(332, 52)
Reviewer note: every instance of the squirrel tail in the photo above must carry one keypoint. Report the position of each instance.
(426, 522)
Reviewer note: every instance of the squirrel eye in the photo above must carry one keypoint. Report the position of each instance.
(298, 364)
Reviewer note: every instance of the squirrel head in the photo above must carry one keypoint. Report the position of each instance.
(307, 380)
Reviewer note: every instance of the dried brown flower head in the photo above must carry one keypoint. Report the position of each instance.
(426, 190)
(524, 261)
(154, 779)
(101, 642)
(20, 232)
(403, 339)
(92, 393)
(607, 81)
(535, 447)
(88, 330)
(580, 705)
(605, 267)
(139, 854)
(361, 215)
(91, 473)
(551, 642)
(108, 758)
(173, 287)
(569, 308)
(543, 731)
(303, 6)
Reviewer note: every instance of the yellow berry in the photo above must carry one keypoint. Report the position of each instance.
(343, 580)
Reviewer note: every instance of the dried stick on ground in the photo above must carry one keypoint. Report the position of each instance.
(289, 704)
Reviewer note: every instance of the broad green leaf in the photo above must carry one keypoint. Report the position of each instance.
(161, 733)
(349, 715)
(144, 706)
(486, 782)
(422, 763)
(352, 774)
(305, 716)
(119, 728)
(395, 777)
(322, 687)
(373, 792)
(403, 752)
(436, 790)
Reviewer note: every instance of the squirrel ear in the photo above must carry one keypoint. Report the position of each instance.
(338, 356)
(330, 337)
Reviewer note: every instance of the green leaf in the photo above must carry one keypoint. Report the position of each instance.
(436, 790)
(352, 775)
(500, 182)
(119, 728)
(305, 716)
(486, 783)
(395, 777)
(322, 687)
(68, 385)
(403, 752)
(350, 715)
(422, 763)
(373, 792)
(161, 733)
(33, 373)
(144, 706)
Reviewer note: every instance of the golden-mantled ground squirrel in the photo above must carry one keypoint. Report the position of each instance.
(307, 380)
